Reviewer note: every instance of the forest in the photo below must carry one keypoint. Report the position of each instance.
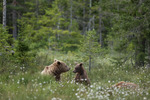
(111, 38)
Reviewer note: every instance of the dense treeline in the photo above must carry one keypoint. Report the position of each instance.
(65, 25)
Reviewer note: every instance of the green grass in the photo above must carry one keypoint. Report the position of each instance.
(30, 85)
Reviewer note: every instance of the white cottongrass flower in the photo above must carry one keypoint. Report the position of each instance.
(144, 98)
(18, 82)
(43, 89)
(22, 79)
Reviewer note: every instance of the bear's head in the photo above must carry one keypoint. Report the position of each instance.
(57, 67)
(61, 66)
(79, 68)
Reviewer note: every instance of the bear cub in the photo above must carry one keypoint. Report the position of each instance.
(81, 75)
(55, 69)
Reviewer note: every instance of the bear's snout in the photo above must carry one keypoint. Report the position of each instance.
(74, 71)
(68, 69)
(42, 72)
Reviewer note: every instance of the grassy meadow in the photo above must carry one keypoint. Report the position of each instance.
(24, 82)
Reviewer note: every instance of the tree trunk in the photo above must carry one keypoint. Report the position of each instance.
(90, 63)
(37, 8)
(90, 54)
(84, 29)
(90, 19)
(58, 27)
(100, 27)
(70, 26)
(93, 22)
(142, 63)
(140, 52)
(4, 13)
(14, 20)
(148, 51)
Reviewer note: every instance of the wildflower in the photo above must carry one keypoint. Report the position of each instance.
(22, 79)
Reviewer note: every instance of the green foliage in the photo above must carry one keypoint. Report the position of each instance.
(128, 30)
(1, 9)
(89, 45)
(4, 39)
(49, 30)
(21, 52)
(5, 47)
(61, 25)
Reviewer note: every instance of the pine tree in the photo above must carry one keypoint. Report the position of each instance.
(89, 46)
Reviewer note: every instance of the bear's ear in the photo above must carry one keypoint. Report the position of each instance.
(46, 67)
(58, 62)
(55, 60)
(81, 64)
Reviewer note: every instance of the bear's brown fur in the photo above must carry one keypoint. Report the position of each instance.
(126, 85)
(81, 75)
(55, 69)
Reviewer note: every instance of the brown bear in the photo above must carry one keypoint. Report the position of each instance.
(126, 85)
(55, 69)
(81, 75)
